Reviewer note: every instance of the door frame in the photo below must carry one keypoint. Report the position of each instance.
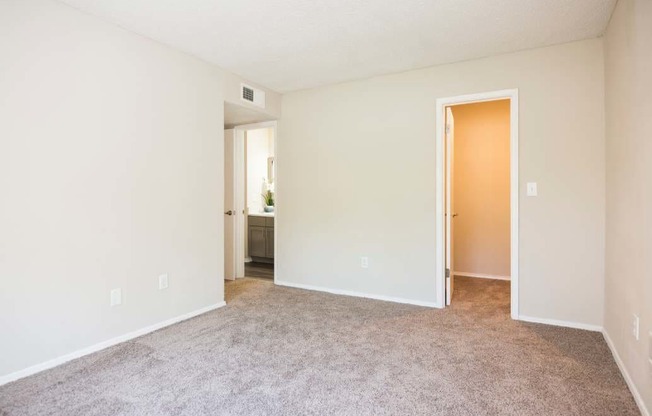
(240, 176)
(440, 237)
(230, 135)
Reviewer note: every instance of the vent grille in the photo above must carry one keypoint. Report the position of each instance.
(247, 94)
(252, 95)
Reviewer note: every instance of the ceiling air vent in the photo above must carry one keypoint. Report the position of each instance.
(252, 95)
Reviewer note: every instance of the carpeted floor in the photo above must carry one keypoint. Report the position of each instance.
(281, 351)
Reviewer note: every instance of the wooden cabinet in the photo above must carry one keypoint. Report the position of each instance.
(257, 243)
(261, 238)
(269, 242)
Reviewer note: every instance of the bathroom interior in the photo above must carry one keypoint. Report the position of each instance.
(259, 203)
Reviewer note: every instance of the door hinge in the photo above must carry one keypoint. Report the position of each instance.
(448, 272)
(448, 129)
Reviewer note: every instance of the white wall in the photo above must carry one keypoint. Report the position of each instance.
(232, 94)
(260, 147)
(356, 168)
(111, 172)
(628, 69)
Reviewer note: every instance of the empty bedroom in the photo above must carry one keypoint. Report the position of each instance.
(244, 207)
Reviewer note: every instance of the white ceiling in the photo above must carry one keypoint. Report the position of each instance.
(287, 45)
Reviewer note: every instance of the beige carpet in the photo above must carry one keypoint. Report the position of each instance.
(280, 351)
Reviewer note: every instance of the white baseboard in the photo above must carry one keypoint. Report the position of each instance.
(481, 275)
(623, 370)
(104, 344)
(555, 322)
(355, 294)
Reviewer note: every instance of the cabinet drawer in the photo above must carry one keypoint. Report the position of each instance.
(269, 222)
(257, 221)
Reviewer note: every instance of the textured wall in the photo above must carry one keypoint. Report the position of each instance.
(110, 174)
(628, 65)
(260, 146)
(356, 177)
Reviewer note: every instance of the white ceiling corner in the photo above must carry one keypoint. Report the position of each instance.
(288, 45)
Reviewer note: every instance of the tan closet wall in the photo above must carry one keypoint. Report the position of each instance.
(482, 227)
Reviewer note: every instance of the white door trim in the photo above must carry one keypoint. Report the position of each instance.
(230, 204)
(254, 126)
(442, 103)
(239, 176)
(449, 202)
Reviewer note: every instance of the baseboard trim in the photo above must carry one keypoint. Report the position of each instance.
(566, 324)
(104, 344)
(482, 275)
(355, 294)
(623, 370)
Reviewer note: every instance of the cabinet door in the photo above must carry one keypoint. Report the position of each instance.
(257, 244)
(269, 239)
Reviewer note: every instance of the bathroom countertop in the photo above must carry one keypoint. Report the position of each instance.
(261, 214)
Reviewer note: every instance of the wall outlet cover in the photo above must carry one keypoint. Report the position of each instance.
(364, 262)
(116, 297)
(636, 326)
(649, 359)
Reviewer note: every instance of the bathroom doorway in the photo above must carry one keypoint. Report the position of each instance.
(250, 201)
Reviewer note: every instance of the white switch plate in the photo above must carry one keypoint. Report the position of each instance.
(364, 262)
(636, 325)
(532, 189)
(116, 297)
(163, 282)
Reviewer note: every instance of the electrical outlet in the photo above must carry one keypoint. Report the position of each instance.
(364, 262)
(636, 324)
(649, 360)
(163, 282)
(116, 297)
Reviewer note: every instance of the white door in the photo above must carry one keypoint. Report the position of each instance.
(229, 205)
(450, 209)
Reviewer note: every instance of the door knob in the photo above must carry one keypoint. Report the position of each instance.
(229, 212)
(455, 215)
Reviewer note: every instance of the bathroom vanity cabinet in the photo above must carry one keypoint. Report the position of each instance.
(261, 238)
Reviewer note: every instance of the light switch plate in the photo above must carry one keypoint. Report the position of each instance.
(163, 282)
(532, 189)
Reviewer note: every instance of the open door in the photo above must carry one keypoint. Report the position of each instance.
(450, 209)
(229, 206)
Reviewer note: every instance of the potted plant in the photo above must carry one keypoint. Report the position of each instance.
(268, 199)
